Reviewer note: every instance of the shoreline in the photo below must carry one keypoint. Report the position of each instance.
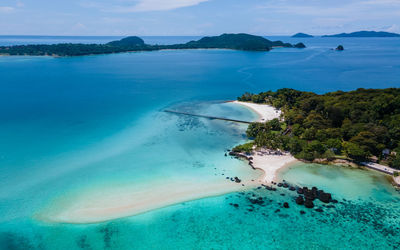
(271, 162)
(111, 204)
(95, 206)
(265, 112)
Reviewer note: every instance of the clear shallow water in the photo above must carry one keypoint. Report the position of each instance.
(85, 124)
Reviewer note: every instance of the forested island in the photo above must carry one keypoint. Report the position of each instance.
(302, 35)
(360, 125)
(365, 34)
(131, 44)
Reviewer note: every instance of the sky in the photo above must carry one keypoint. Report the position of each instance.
(196, 17)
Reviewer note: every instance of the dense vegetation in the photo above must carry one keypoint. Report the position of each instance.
(225, 41)
(358, 124)
(365, 34)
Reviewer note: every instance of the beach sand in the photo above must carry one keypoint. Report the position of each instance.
(271, 164)
(264, 111)
(99, 205)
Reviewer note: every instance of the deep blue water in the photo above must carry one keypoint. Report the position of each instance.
(84, 124)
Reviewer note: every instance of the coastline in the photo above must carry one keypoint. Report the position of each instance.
(269, 161)
(95, 205)
(265, 112)
(114, 203)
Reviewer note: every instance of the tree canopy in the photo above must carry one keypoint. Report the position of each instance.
(359, 124)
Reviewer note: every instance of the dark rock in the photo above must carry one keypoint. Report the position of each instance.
(257, 201)
(300, 191)
(324, 197)
(334, 201)
(286, 205)
(292, 189)
(280, 184)
(302, 212)
(227, 178)
(282, 194)
(300, 200)
(237, 180)
(285, 185)
(319, 210)
(236, 205)
(340, 48)
(309, 203)
(278, 210)
(273, 189)
(310, 194)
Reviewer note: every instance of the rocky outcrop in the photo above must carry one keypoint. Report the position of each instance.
(300, 200)
(309, 204)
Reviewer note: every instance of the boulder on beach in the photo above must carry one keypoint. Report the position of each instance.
(237, 180)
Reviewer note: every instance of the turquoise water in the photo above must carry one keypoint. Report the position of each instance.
(88, 125)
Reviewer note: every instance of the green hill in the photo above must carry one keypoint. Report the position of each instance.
(226, 41)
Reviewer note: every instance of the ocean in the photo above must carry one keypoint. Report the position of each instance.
(77, 132)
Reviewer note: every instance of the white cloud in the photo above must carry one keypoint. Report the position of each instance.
(158, 5)
(6, 9)
(383, 2)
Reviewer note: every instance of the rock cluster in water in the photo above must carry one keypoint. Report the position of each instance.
(306, 197)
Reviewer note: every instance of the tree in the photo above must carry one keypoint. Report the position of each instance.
(275, 125)
(334, 144)
(354, 151)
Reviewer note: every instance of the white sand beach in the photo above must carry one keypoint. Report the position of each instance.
(98, 205)
(271, 163)
(264, 111)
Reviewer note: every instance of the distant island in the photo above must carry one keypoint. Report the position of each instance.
(361, 125)
(302, 35)
(340, 48)
(365, 34)
(244, 42)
